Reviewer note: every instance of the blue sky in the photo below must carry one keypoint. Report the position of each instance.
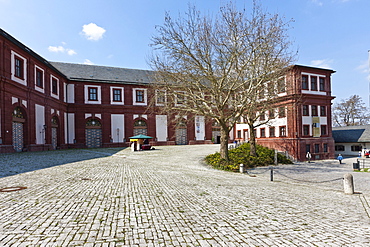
(331, 34)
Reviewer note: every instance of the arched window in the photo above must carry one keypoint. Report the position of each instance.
(93, 123)
(140, 127)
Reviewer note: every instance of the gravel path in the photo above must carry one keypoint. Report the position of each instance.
(169, 197)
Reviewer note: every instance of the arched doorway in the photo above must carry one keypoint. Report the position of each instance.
(54, 132)
(17, 129)
(140, 127)
(93, 133)
(181, 133)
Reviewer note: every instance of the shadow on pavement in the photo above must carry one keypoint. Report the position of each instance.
(15, 163)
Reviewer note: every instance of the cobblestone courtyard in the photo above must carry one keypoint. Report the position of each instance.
(168, 197)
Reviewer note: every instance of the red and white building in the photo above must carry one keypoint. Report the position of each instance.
(50, 105)
(301, 121)
(47, 105)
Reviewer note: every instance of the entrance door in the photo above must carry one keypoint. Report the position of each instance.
(54, 138)
(18, 136)
(93, 138)
(181, 136)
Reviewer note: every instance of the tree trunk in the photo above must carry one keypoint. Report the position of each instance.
(252, 142)
(224, 149)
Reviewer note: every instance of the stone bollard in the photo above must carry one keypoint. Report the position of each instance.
(348, 184)
(241, 168)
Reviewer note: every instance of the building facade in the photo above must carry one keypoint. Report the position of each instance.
(50, 105)
(47, 105)
(352, 140)
(301, 120)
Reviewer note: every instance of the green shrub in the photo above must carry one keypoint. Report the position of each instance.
(240, 155)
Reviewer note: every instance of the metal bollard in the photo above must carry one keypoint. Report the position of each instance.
(271, 174)
(348, 184)
(241, 168)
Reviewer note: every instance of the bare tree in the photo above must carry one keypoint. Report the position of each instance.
(217, 67)
(350, 112)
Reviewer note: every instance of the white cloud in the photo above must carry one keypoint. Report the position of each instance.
(324, 63)
(56, 49)
(364, 67)
(88, 62)
(92, 31)
(317, 2)
(71, 52)
(61, 49)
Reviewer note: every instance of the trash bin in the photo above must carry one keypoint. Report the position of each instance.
(356, 166)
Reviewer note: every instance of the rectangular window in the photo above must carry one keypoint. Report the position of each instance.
(314, 110)
(263, 132)
(39, 78)
(19, 68)
(93, 93)
(117, 95)
(324, 131)
(305, 111)
(271, 89)
(261, 91)
(161, 97)
(140, 96)
(322, 83)
(308, 148)
(356, 148)
(272, 132)
(282, 131)
(54, 86)
(317, 148)
(282, 112)
(262, 116)
(322, 111)
(281, 86)
(272, 114)
(325, 147)
(313, 83)
(239, 134)
(306, 130)
(305, 82)
(339, 148)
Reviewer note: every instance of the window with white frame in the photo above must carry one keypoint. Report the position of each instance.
(39, 79)
(54, 86)
(139, 96)
(19, 68)
(160, 97)
(180, 98)
(92, 94)
(117, 95)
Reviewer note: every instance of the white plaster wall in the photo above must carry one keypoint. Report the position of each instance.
(199, 128)
(347, 147)
(277, 122)
(69, 123)
(69, 96)
(161, 127)
(117, 127)
(40, 122)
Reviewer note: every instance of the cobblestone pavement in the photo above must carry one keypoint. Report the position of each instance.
(168, 197)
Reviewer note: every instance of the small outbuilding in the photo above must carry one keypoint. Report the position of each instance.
(352, 140)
